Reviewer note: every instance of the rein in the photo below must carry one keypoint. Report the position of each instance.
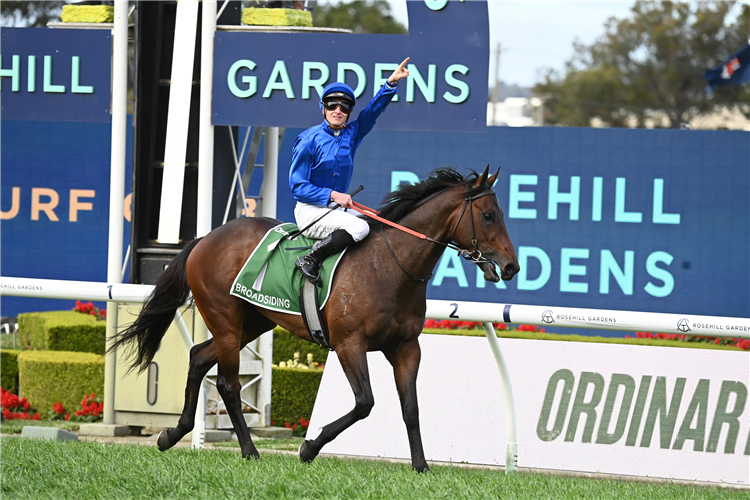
(475, 256)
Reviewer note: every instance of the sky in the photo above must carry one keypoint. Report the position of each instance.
(538, 34)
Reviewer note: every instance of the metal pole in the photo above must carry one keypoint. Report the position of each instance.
(270, 172)
(205, 184)
(511, 450)
(206, 130)
(268, 209)
(116, 190)
(496, 88)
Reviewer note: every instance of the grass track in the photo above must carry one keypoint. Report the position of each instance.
(50, 469)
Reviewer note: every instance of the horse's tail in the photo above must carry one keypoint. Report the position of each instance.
(171, 292)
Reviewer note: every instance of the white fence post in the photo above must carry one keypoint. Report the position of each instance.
(511, 448)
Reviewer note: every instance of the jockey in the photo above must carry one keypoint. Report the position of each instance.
(322, 161)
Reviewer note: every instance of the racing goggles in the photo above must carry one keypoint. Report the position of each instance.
(331, 105)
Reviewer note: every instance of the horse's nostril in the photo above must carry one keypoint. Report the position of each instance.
(511, 268)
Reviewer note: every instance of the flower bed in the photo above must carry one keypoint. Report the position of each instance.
(15, 408)
(445, 324)
(739, 343)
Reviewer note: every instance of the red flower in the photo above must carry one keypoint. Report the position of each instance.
(36, 417)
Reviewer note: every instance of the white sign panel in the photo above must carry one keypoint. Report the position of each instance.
(634, 410)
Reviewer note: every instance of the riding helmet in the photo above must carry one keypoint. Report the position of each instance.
(338, 90)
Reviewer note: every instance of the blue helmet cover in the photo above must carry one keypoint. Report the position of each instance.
(338, 87)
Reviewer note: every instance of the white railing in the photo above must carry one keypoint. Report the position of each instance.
(600, 319)
(569, 317)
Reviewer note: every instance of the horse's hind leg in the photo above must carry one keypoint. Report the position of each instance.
(405, 361)
(228, 385)
(202, 358)
(354, 363)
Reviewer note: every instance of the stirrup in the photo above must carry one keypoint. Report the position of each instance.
(310, 267)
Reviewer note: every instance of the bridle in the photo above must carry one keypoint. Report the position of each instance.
(475, 255)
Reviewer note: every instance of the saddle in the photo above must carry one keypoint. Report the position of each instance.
(269, 279)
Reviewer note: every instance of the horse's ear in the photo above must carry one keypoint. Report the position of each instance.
(482, 178)
(491, 181)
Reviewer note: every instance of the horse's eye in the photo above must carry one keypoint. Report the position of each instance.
(488, 216)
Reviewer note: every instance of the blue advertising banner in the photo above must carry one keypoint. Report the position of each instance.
(55, 75)
(646, 220)
(54, 215)
(275, 79)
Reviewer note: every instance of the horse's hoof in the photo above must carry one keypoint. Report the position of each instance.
(305, 454)
(162, 441)
(421, 468)
(252, 454)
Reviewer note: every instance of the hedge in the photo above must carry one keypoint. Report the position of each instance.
(293, 394)
(48, 377)
(9, 370)
(285, 344)
(62, 331)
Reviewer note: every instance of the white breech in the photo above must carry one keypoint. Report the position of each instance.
(305, 213)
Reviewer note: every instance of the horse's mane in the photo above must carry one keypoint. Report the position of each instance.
(405, 198)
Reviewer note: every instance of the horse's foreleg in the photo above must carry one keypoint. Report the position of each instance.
(405, 361)
(354, 363)
(202, 358)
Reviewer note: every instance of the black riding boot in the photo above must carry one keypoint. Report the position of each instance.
(310, 263)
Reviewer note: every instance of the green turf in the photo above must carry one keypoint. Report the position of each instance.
(38, 469)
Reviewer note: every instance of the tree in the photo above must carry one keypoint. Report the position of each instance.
(29, 14)
(361, 17)
(648, 64)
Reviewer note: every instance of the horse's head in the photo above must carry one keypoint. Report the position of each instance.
(480, 227)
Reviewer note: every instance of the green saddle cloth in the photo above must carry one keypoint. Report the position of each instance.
(269, 278)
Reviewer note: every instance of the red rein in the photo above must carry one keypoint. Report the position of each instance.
(372, 213)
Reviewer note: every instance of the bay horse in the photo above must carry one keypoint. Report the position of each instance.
(384, 279)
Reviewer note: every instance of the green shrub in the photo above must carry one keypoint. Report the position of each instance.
(48, 377)
(293, 394)
(62, 331)
(9, 370)
(285, 344)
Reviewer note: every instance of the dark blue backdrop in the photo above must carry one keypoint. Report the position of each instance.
(57, 156)
(272, 86)
(697, 266)
(56, 74)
